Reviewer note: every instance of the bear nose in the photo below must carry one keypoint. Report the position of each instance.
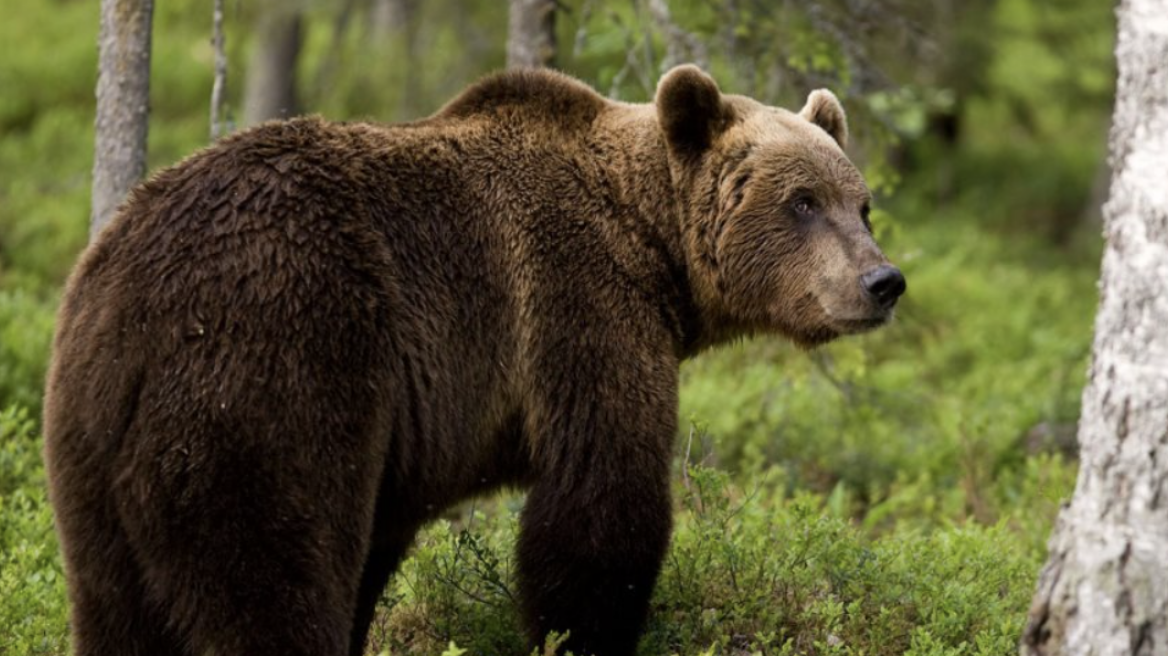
(885, 283)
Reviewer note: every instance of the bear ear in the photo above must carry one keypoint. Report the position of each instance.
(825, 110)
(690, 109)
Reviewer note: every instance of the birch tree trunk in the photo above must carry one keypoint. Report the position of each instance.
(123, 105)
(271, 73)
(1104, 590)
(531, 33)
(219, 86)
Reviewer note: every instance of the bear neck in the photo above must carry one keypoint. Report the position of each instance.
(635, 153)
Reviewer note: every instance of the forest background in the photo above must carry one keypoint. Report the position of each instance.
(888, 494)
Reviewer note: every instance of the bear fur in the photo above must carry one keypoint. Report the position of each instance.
(293, 349)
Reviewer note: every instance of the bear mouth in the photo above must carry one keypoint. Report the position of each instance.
(862, 324)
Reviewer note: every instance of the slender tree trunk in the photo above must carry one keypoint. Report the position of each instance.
(123, 105)
(531, 38)
(219, 86)
(395, 24)
(271, 72)
(1104, 589)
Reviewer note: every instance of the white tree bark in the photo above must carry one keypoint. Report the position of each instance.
(219, 86)
(1104, 590)
(531, 33)
(123, 105)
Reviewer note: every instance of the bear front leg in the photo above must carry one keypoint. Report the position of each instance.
(589, 558)
(597, 522)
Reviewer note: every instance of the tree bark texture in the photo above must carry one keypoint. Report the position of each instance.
(1104, 590)
(123, 105)
(531, 38)
(271, 73)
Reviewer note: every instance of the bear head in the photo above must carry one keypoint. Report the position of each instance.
(774, 216)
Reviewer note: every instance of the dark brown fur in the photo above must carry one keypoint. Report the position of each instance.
(294, 348)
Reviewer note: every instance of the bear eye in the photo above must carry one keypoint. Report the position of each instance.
(803, 206)
(865, 211)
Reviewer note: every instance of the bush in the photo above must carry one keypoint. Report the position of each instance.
(456, 586)
(764, 572)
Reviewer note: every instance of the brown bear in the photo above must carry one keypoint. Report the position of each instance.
(291, 350)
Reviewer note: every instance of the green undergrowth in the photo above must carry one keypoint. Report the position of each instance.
(26, 329)
(753, 569)
(32, 586)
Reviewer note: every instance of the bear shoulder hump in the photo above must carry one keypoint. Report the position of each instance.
(539, 94)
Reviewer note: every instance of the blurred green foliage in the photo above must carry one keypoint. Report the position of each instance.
(32, 585)
(887, 494)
